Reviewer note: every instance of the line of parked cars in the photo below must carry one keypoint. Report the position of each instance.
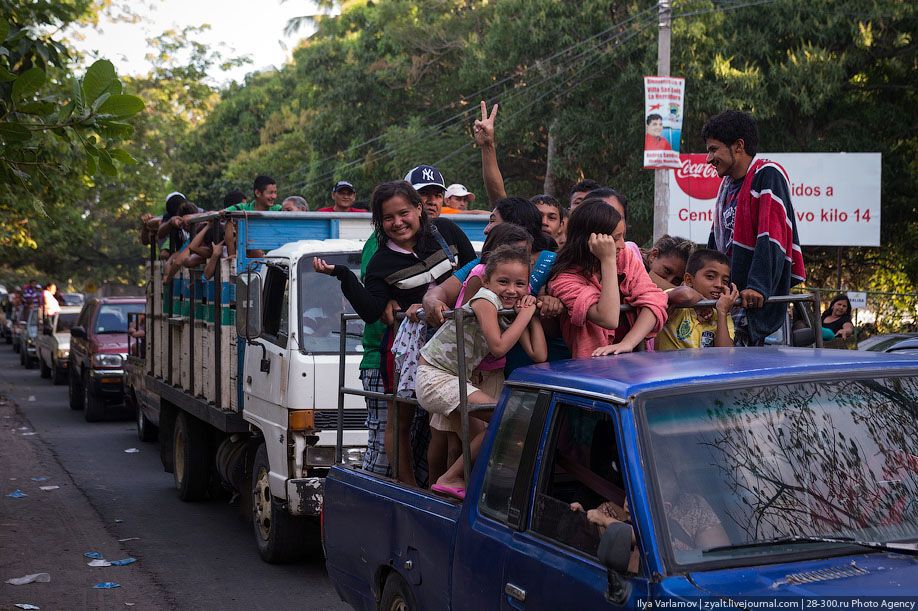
(84, 346)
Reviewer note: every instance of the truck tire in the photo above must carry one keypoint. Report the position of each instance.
(58, 375)
(191, 457)
(15, 346)
(75, 392)
(396, 595)
(93, 404)
(280, 536)
(29, 361)
(146, 430)
(22, 357)
(43, 369)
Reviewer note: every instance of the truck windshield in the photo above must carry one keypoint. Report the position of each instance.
(321, 303)
(65, 321)
(112, 317)
(764, 470)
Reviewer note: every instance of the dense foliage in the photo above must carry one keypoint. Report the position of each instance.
(388, 84)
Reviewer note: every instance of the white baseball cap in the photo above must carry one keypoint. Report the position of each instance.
(458, 190)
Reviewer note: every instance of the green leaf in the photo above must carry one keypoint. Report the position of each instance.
(67, 110)
(121, 105)
(123, 156)
(76, 92)
(27, 83)
(14, 132)
(115, 87)
(91, 165)
(98, 78)
(116, 130)
(105, 163)
(6, 76)
(100, 101)
(4, 29)
(36, 108)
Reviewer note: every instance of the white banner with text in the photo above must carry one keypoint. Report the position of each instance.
(836, 197)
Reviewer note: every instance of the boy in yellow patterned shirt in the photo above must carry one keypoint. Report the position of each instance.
(707, 276)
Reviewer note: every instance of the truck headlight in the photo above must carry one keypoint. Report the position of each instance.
(107, 360)
(63, 353)
(317, 456)
(354, 456)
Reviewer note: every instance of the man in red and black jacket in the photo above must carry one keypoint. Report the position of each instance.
(754, 224)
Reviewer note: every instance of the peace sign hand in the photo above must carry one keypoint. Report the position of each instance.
(484, 127)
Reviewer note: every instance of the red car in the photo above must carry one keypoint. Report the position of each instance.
(98, 350)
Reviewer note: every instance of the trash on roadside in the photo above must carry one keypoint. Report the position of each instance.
(39, 478)
(106, 585)
(47, 488)
(95, 555)
(129, 604)
(124, 561)
(131, 451)
(33, 578)
(23, 428)
(32, 398)
(29, 434)
(99, 562)
(118, 520)
(17, 494)
(26, 606)
(128, 539)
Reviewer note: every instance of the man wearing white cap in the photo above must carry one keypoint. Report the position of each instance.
(458, 199)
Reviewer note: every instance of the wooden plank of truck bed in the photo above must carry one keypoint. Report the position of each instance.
(228, 422)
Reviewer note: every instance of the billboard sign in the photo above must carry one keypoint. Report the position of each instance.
(836, 197)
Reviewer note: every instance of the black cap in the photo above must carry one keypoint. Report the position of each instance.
(343, 184)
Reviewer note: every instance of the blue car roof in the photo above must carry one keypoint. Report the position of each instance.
(619, 377)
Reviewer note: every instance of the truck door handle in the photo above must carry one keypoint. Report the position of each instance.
(515, 592)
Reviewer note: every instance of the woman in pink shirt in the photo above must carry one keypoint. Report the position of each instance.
(594, 254)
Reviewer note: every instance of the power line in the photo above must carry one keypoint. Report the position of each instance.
(445, 125)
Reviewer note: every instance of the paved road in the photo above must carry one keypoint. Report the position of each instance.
(201, 554)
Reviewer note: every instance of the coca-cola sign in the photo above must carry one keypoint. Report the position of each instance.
(696, 177)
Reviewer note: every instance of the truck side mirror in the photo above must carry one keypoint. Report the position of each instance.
(248, 304)
(78, 331)
(615, 553)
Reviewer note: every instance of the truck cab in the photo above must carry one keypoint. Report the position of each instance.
(54, 344)
(656, 479)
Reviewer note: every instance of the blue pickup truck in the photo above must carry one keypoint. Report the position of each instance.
(656, 479)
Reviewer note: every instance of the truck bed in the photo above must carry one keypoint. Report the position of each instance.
(393, 527)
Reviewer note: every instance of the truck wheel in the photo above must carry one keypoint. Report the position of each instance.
(396, 595)
(58, 376)
(93, 404)
(146, 430)
(43, 370)
(22, 356)
(29, 361)
(280, 536)
(15, 346)
(191, 455)
(75, 392)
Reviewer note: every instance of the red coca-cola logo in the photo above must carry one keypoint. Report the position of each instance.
(696, 177)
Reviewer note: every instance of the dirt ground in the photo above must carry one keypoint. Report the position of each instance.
(49, 531)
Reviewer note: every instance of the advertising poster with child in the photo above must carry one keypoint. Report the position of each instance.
(664, 104)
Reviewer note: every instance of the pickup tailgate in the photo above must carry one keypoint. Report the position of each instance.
(372, 526)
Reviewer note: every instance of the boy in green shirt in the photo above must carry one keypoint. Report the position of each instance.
(707, 276)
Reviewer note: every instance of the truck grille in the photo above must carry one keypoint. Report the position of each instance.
(353, 419)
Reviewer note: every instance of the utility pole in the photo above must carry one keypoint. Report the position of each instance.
(661, 177)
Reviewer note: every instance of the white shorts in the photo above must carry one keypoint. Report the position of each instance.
(438, 393)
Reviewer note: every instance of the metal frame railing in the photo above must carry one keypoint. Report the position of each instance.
(460, 315)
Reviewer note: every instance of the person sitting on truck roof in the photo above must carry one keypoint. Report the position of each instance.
(413, 253)
(707, 276)
(343, 195)
(592, 275)
(505, 285)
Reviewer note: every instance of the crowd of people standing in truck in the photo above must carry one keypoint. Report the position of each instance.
(549, 284)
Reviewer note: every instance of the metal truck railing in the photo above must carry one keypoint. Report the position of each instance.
(812, 318)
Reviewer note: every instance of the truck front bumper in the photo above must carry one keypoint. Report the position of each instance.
(304, 496)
